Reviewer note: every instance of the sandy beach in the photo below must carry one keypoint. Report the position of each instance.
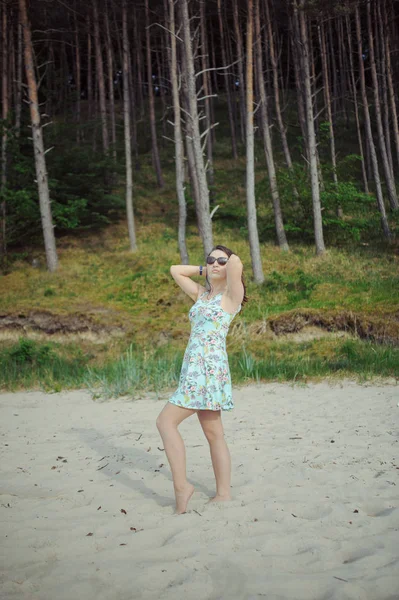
(87, 505)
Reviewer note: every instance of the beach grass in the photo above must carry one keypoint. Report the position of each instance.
(52, 367)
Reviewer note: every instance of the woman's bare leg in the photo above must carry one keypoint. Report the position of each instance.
(211, 422)
(167, 422)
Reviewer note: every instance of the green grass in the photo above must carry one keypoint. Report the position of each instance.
(30, 365)
(101, 280)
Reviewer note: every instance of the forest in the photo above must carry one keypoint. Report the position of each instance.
(136, 134)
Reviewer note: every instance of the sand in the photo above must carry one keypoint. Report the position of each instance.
(87, 506)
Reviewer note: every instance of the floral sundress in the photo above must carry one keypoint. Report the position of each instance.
(205, 382)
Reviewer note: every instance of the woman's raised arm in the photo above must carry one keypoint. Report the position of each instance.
(182, 274)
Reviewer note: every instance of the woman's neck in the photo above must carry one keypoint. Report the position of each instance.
(216, 290)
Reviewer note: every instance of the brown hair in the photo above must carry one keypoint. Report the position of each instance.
(229, 253)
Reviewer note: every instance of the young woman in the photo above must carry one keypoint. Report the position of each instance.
(205, 383)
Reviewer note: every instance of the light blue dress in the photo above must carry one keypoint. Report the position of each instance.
(205, 382)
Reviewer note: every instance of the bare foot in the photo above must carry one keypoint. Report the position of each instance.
(219, 498)
(182, 498)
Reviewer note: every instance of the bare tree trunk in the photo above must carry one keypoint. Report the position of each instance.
(133, 112)
(111, 92)
(100, 78)
(192, 173)
(354, 92)
(155, 151)
(276, 89)
(384, 88)
(179, 149)
(139, 63)
(343, 70)
(391, 91)
(389, 180)
(230, 80)
(314, 95)
(38, 146)
(240, 64)
(369, 134)
(227, 86)
(4, 116)
(254, 245)
(203, 215)
(207, 94)
(12, 92)
(311, 136)
(296, 56)
(327, 98)
(18, 106)
(126, 119)
(158, 50)
(89, 71)
(78, 76)
(214, 72)
(334, 77)
(278, 216)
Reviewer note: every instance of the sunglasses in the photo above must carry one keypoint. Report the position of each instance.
(222, 260)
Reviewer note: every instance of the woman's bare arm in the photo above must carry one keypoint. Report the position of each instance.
(182, 274)
(235, 288)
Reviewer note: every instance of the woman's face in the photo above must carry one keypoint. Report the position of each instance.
(215, 271)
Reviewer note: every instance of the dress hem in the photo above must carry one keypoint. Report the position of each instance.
(205, 408)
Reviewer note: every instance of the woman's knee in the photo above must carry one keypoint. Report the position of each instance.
(213, 434)
(164, 422)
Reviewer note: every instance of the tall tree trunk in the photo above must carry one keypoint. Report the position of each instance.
(278, 216)
(192, 173)
(369, 133)
(179, 149)
(203, 215)
(100, 78)
(18, 106)
(214, 71)
(298, 71)
(327, 98)
(240, 64)
(139, 63)
(226, 76)
(111, 92)
(254, 245)
(276, 89)
(89, 70)
(155, 151)
(12, 91)
(230, 80)
(133, 112)
(384, 87)
(207, 93)
(389, 180)
(78, 76)
(158, 51)
(126, 120)
(343, 70)
(311, 136)
(334, 72)
(314, 92)
(4, 116)
(354, 92)
(38, 146)
(391, 92)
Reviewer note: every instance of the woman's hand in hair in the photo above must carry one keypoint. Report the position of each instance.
(234, 259)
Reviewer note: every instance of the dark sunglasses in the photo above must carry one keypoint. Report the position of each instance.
(222, 260)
